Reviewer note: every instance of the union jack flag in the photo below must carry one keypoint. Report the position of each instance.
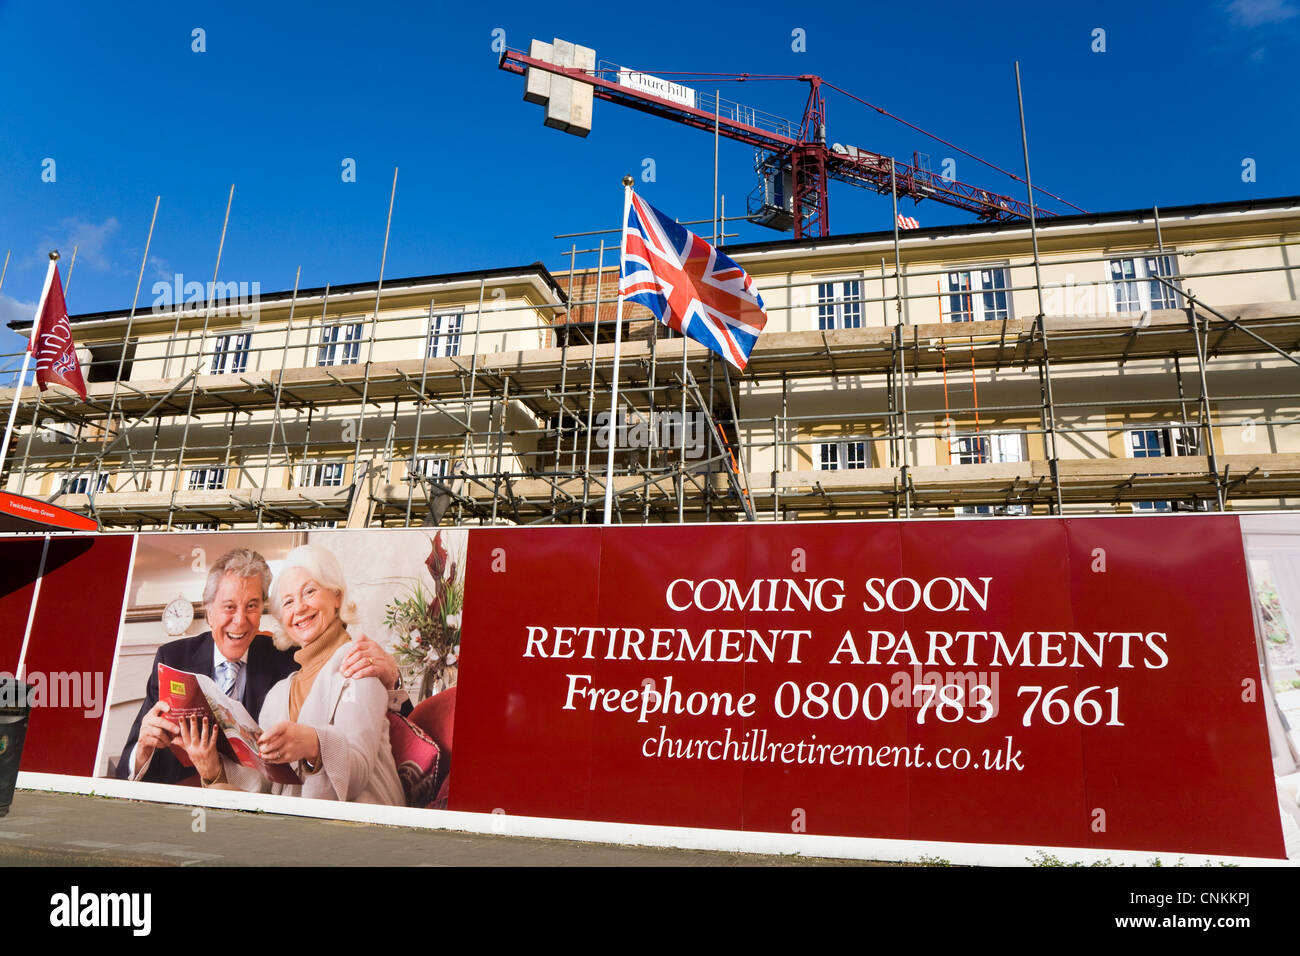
(688, 284)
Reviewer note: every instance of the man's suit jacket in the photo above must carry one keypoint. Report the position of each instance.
(265, 667)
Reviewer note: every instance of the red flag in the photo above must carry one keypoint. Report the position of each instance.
(51, 343)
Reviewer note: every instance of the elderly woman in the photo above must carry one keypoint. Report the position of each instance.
(331, 729)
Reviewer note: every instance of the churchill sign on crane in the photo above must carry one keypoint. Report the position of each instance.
(658, 87)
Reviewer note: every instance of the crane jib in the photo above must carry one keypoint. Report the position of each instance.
(805, 157)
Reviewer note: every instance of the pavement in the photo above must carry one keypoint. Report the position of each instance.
(58, 829)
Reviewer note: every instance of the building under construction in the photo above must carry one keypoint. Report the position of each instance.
(1135, 361)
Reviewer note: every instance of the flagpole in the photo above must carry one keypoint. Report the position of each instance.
(72, 264)
(27, 355)
(898, 331)
(717, 113)
(618, 348)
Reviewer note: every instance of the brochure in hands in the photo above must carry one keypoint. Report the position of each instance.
(196, 695)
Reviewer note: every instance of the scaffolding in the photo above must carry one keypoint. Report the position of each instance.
(508, 436)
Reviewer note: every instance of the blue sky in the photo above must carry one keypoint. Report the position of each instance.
(284, 92)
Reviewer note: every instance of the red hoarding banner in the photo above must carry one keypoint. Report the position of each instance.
(1057, 682)
(70, 653)
(22, 566)
(1090, 683)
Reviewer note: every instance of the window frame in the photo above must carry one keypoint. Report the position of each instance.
(352, 344)
(311, 472)
(1173, 442)
(421, 469)
(230, 350)
(840, 303)
(1004, 439)
(843, 458)
(339, 338)
(999, 441)
(978, 297)
(210, 472)
(101, 483)
(440, 340)
(327, 343)
(1139, 288)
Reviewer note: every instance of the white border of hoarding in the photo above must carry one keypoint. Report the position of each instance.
(625, 834)
(629, 834)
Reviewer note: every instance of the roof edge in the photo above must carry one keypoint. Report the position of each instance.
(533, 268)
(1074, 219)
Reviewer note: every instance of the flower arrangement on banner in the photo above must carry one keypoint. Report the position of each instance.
(426, 624)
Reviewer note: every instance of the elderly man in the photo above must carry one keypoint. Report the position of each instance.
(244, 664)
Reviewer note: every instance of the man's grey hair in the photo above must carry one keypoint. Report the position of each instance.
(241, 562)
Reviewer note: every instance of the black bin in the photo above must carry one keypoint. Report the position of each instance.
(14, 711)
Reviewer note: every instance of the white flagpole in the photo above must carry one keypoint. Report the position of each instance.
(618, 348)
(27, 356)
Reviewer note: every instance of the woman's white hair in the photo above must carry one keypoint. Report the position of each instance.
(321, 566)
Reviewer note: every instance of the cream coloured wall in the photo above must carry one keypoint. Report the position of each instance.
(1208, 268)
(506, 324)
(1211, 250)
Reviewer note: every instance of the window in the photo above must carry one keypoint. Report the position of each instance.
(433, 467)
(444, 334)
(207, 479)
(107, 360)
(989, 447)
(332, 334)
(78, 485)
(1133, 290)
(323, 474)
(352, 344)
(839, 456)
(230, 354)
(839, 305)
(1165, 441)
(979, 295)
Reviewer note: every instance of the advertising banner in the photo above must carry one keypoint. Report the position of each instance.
(666, 89)
(1066, 683)
(1094, 683)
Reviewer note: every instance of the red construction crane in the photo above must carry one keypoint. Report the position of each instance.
(794, 162)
